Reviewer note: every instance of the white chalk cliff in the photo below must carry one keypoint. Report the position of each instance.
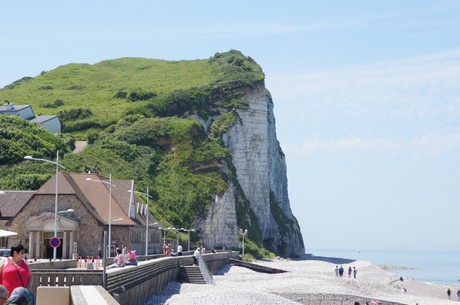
(261, 199)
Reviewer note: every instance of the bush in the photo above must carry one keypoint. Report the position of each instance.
(141, 95)
(79, 125)
(54, 104)
(76, 87)
(121, 95)
(92, 136)
(74, 114)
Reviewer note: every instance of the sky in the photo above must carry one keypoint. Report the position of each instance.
(366, 96)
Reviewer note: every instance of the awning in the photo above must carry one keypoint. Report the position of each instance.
(5, 233)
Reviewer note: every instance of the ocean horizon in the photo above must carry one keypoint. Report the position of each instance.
(438, 267)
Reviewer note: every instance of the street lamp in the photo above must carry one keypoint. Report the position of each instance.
(146, 220)
(244, 233)
(164, 235)
(109, 243)
(188, 233)
(56, 191)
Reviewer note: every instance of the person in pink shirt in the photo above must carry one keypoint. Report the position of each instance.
(131, 257)
(14, 270)
(119, 260)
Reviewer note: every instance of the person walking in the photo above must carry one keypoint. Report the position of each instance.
(179, 250)
(341, 271)
(448, 293)
(354, 272)
(99, 251)
(196, 256)
(336, 271)
(14, 270)
(458, 294)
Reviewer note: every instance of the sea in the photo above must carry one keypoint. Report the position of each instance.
(438, 267)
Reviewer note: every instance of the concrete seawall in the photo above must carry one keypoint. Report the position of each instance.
(134, 285)
(131, 285)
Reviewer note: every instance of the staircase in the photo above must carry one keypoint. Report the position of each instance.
(191, 274)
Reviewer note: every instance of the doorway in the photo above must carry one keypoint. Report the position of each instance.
(48, 249)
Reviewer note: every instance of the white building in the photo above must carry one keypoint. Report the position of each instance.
(50, 122)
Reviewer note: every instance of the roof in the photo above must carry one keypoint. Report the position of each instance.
(12, 201)
(44, 118)
(97, 191)
(91, 189)
(13, 108)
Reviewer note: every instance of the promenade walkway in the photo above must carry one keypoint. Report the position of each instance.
(130, 285)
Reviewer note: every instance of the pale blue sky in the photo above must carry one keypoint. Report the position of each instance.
(366, 93)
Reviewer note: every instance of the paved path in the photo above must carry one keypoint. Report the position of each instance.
(79, 146)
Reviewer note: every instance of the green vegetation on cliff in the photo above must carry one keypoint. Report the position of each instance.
(135, 114)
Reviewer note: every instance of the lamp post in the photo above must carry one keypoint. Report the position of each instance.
(146, 219)
(244, 233)
(164, 235)
(109, 242)
(188, 241)
(56, 191)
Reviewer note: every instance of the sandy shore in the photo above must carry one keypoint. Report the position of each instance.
(239, 285)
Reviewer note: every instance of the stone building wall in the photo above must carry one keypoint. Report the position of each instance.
(88, 236)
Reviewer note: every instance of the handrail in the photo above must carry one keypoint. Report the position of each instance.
(205, 271)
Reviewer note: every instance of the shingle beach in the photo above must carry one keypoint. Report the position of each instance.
(314, 276)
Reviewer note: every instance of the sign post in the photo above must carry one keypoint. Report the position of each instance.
(55, 242)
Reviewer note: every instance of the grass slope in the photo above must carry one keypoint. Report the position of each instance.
(135, 114)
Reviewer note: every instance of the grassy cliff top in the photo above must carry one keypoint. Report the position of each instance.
(113, 88)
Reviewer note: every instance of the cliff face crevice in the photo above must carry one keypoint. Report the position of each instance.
(260, 170)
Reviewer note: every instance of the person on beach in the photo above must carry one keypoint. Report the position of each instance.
(341, 271)
(458, 294)
(354, 272)
(349, 272)
(448, 293)
(336, 271)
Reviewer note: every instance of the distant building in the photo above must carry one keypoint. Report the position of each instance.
(83, 216)
(50, 122)
(23, 111)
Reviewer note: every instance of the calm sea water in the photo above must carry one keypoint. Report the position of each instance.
(429, 266)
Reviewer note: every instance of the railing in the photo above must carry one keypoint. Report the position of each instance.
(131, 284)
(205, 271)
(57, 277)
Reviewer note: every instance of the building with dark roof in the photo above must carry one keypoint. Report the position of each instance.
(83, 216)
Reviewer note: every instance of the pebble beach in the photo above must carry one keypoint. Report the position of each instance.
(307, 277)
